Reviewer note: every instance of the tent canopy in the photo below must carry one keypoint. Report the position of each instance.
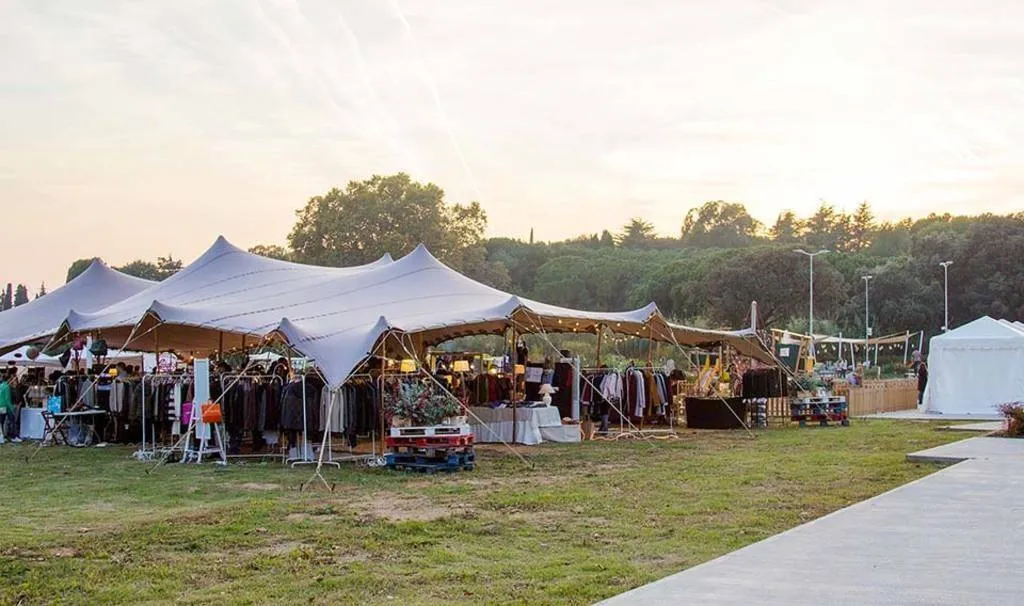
(95, 288)
(337, 316)
(975, 368)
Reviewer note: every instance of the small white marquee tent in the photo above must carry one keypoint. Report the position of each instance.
(95, 288)
(975, 368)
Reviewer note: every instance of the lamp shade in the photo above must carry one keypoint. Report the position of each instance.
(520, 369)
(461, 366)
(407, 366)
(547, 390)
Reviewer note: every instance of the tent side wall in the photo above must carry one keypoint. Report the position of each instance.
(973, 378)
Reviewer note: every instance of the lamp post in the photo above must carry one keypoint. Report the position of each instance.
(945, 270)
(867, 320)
(810, 316)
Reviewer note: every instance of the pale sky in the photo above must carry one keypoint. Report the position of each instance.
(135, 129)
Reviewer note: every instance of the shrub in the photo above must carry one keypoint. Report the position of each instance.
(1014, 413)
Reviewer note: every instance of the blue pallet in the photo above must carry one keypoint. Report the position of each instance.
(431, 464)
(419, 459)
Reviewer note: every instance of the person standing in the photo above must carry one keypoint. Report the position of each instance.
(922, 381)
(6, 408)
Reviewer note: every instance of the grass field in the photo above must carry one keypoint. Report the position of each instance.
(585, 522)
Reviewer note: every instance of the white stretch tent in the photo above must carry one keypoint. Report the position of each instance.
(19, 357)
(975, 368)
(95, 288)
(337, 316)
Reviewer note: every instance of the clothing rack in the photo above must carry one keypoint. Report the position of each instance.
(633, 431)
(230, 378)
(351, 457)
(157, 379)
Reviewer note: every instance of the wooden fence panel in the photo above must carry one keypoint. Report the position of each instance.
(883, 396)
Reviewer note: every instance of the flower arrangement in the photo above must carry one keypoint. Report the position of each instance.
(418, 403)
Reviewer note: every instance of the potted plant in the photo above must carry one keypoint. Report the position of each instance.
(418, 405)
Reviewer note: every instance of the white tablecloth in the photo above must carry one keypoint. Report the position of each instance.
(497, 424)
(32, 424)
(562, 433)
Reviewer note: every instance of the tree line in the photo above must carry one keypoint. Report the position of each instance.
(722, 259)
(16, 296)
(158, 271)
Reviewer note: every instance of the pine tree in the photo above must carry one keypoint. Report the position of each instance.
(7, 300)
(21, 295)
(862, 227)
(42, 290)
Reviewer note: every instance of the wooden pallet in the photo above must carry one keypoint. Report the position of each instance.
(443, 441)
(447, 463)
(431, 431)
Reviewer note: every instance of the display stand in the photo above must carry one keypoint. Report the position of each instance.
(199, 431)
(824, 410)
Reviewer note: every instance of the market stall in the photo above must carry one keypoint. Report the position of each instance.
(532, 425)
(341, 317)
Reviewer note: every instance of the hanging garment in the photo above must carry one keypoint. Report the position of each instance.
(639, 398)
(611, 386)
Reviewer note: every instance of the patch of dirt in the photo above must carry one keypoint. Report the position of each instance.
(65, 552)
(283, 548)
(395, 508)
(259, 487)
(303, 517)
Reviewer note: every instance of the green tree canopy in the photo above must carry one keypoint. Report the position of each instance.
(271, 251)
(719, 224)
(380, 215)
(788, 229)
(776, 278)
(78, 267)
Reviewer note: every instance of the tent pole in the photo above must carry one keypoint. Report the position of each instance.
(600, 332)
(220, 346)
(383, 370)
(650, 344)
(515, 380)
(906, 346)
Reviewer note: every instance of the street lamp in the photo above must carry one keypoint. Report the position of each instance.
(945, 270)
(810, 316)
(867, 321)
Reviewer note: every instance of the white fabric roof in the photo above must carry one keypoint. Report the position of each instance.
(19, 357)
(95, 288)
(975, 368)
(336, 316)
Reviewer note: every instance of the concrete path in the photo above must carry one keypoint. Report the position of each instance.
(915, 415)
(985, 427)
(953, 537)
(1008, 449)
